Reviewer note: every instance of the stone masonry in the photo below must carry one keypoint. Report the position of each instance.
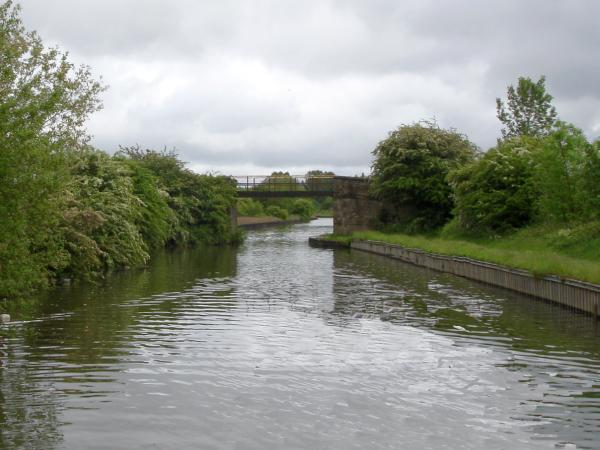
(353, 209)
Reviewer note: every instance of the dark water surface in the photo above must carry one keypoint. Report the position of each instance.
(278, 345)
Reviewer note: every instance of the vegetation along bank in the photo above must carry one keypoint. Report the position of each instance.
(530, 202)
(68, 210)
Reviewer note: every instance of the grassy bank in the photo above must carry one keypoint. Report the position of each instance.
(543, 250)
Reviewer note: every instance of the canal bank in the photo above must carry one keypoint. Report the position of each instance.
(575, 294)
(251, 223)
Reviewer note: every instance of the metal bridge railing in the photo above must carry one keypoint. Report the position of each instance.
(284, 183)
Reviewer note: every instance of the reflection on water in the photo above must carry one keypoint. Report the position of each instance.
(278, 345)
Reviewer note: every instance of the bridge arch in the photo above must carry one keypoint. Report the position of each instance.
(353, 207)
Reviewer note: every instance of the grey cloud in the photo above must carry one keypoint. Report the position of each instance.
(275, 82)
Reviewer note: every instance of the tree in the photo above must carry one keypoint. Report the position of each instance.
(496, 193)
(528, 110)
(410, 173)
(44, 102)
(563, 176)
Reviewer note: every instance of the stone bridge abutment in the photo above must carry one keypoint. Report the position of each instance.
(353, 208)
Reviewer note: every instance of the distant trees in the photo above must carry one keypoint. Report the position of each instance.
(528, 110)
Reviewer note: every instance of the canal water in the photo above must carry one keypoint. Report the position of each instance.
(278, 345)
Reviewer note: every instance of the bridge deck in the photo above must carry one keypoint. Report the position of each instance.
(282, 194)
(277, 186)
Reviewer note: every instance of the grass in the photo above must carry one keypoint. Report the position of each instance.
(324, 213)
(543, 250)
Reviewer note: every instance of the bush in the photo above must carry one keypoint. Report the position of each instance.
(200, 203)
(304, 208)
(44, 102)
(156, 219)
(496, 193)
(66, 208)
(102, 216)
(591, 180)
(250, 207)
(410, 174)
(276, 211)
(566, 176)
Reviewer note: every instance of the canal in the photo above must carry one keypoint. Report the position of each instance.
(278, 345)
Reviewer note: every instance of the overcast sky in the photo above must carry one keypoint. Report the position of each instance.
(252, 86)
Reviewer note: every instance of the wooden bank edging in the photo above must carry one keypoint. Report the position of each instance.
(572, 293)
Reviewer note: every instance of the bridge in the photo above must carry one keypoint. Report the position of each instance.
(277, 186)
(353, 207)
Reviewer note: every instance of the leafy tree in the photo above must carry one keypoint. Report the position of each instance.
(200, 203)
(561, 174)
(103, 215)
(303, 207)
(496, 193)
(156, 218)
(591, 179)
(44, 101)
(410, 173)
(528, 110)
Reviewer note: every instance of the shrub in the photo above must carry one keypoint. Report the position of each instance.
(496, 193)
(303, 207)
(200, 203)
(44, 102)
(565, 175)
(591, 179)
(156, 219)
(276, 211)
(250, 207)
(102, 216)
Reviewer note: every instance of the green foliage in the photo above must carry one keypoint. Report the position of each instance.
(496, 193)
(551, 179)
(564, 175)
(250, 207)
(31, 177)
(325, 203)
(276, 211)
(67, 209)
(590, 182)
(103, 215)
(304, 208)
(156, 220)
(200, 204)
(528, 110)
(543, 250)
(44, 101)
(410, 173)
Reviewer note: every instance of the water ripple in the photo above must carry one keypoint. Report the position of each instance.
(278, 345)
